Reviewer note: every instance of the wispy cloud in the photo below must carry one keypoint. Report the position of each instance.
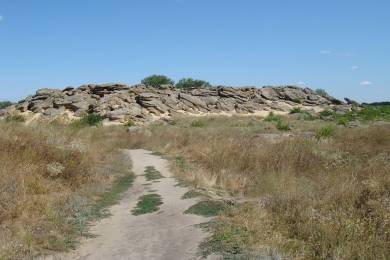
(1, 18)
(325, 52)
(366, 83)
(301, 83)
(355, 67)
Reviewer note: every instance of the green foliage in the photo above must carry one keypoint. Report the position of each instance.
(326, 113)
(191, 194)
(272, 118)
(5, 104)
(198, 123)
(296, 110)
(207, 208)
(111, 197)
(343, 121)
(181, 164)
(324, 132)
(130, 123)
(157, 80)
(151, 174)
(147, 204)
(192, 83)
(280, 125)
(15, 118)
(88, 120)
(322, 92)
(296, 100)
(370, 113)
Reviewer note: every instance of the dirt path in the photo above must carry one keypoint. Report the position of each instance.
(165, 234)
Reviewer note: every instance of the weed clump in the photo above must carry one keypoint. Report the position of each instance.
(324, 132)
(147, 204)
(207, 208)
(151, 174)
(88, 120)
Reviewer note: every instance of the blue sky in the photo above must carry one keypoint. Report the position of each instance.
(341, 46)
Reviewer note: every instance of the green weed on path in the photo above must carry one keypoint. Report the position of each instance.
(111, 197)
(207, 208)
(191, 194)
(147, 204)
(151, 174)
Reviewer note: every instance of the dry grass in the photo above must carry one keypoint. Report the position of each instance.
(326, 198)
(49, 175)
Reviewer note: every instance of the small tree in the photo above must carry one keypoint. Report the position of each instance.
(5, 104)
(192, 83)
(157, 80)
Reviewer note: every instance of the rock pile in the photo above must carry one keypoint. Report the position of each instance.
(140, 103)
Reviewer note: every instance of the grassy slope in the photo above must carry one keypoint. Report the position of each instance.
(318, 194)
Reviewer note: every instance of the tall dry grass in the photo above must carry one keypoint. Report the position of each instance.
(316, 199)
(49, 175)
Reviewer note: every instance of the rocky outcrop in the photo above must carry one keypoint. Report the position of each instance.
(140, 103)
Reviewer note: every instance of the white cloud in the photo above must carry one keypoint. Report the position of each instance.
(301, 83)
(325, 52)
(355, 67)
(1, 18)
(366, 83)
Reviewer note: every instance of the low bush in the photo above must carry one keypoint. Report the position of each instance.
(272, 117)
(188, 83)
(326, 113)
(5, 104)
(296, 100)
(157, 80)
(88, 120)
(324, 132)
(280, 125)
(296, 110)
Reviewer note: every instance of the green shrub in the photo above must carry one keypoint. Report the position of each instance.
(192, 83)
(296, 100)
(5, 104)
(296, 110)
(326, 113)
(324, 132)
(280, 125)
(88, 120)
(343, 121)
(272, 118)
(130, 123)
(157, 80)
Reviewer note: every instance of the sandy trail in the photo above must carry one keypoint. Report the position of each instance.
(167, 234)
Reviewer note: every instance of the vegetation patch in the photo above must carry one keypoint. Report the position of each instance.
(191, 194)
(198, 123)
(272, 118)
(151, 174)
(324, 132)
(88, 120)
(296, 110)
(112, 196)
(207, 208)
(147, 204)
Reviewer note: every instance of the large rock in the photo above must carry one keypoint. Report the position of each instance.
(119, 102)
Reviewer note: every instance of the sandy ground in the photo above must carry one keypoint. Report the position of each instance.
(167, 234)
